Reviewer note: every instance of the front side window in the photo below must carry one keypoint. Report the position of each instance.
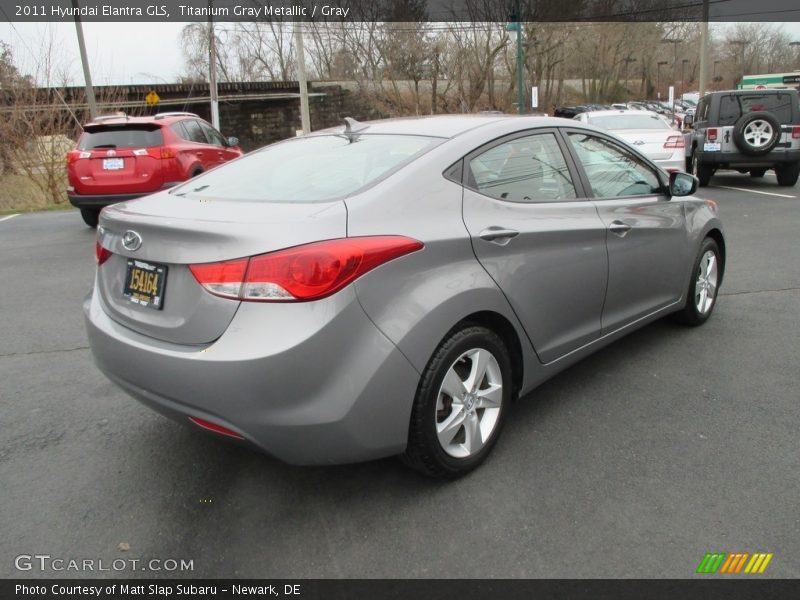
(213, 135)
(525, 169)
(612, 171)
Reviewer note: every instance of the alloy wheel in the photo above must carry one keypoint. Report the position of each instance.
(469, 402)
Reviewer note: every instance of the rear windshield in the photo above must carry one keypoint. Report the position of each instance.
(125, 136)
(629, 121)
(732, 107)
(309, 169)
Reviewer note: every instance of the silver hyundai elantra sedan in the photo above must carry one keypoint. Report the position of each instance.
(390, 288)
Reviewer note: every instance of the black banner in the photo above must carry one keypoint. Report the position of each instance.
(390, 10)
(405, 589)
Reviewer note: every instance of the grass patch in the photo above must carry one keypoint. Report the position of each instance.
(18, 193)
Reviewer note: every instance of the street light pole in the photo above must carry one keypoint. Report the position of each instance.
(704, 50)
(674, 42)
(628, 60)
(660, 64)
(516, 25)
(683, 78)
(741, 44)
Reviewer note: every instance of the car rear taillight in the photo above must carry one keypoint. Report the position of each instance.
(711, 134)
(675, 141)
(795, 133)
(302, 273)
(101, 254)
(161, 152)
(75, 155)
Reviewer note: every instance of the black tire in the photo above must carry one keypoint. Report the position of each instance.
(788, 174)
(690, 314)
(751, 149)
(425, 452)
(196, 173)
(757, 173)
(90, 216)
(702, 171)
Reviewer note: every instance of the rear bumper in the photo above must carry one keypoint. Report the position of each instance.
(101, 200)
(307, 385)
(737, 159)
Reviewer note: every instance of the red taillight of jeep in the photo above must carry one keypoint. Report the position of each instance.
(711, 134)
(795, 133)
(675, 141)
(302, 273)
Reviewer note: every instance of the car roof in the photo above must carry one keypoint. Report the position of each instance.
(158, 119)
(445, 126)
(611, 113)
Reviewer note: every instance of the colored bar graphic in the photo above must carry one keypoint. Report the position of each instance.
(759, 562)
(735, 562)
(711, 563)
(722, 563)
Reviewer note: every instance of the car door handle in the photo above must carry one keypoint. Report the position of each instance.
(498, 235)
(619, 228)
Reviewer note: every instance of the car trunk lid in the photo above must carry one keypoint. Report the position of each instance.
(173, 232)
(650, 142)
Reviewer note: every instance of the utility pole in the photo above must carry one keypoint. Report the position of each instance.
(516, 25)
(87, 76)
(212, 69)
(301, 78)
(704, 50)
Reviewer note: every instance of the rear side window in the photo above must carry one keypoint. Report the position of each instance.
(526, 169)
(125, 136)
(309, 169)
(732, 107)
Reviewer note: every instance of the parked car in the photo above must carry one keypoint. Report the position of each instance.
(747, 130)
(389, 288)
(119, 158)
(649, 132)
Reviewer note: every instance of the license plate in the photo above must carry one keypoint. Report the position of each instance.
(144, 284)
(113, 164)
(712, 147)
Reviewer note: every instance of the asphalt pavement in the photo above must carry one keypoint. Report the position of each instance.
(667, 445)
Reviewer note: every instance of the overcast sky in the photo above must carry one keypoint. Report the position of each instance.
(122, 53)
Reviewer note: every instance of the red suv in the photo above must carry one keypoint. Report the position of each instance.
(120, 158)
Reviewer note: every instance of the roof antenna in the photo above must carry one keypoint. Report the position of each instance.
(352, 127)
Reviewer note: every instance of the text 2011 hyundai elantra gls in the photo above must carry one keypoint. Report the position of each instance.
(390, 287)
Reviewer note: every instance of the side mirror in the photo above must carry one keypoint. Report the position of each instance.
(688, 121)
(682, 184)
(233, 141)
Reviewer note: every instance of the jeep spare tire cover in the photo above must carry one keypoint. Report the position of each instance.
(756, 133)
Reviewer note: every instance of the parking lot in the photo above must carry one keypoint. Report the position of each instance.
(669, 444)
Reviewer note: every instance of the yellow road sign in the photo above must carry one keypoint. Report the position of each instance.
(152, 98)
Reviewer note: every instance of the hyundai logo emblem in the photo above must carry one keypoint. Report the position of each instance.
(131, 240)
(111, 153)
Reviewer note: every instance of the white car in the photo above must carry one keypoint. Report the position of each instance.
(645, 130)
